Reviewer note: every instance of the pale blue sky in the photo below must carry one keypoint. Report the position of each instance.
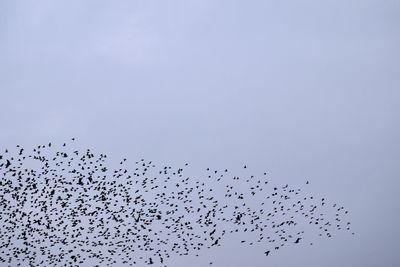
(304, 89)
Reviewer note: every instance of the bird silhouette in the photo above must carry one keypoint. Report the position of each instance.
(65, 206)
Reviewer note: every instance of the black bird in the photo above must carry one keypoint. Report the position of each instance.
(84, 207)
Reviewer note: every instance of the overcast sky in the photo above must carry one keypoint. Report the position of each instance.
(303, 89)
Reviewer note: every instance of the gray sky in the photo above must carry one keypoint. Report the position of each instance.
(303, 89)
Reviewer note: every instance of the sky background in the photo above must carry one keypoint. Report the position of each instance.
(307, 90)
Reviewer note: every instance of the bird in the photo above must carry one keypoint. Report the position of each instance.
(90, 211)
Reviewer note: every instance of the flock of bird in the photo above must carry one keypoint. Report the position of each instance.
(65, 207)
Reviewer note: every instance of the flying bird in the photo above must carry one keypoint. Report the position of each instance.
(67, 206)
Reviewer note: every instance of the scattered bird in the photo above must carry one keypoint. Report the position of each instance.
(63, 206)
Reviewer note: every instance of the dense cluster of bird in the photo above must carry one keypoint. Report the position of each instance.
(65, 207)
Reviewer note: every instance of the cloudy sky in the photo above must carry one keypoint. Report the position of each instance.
(303, 89)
